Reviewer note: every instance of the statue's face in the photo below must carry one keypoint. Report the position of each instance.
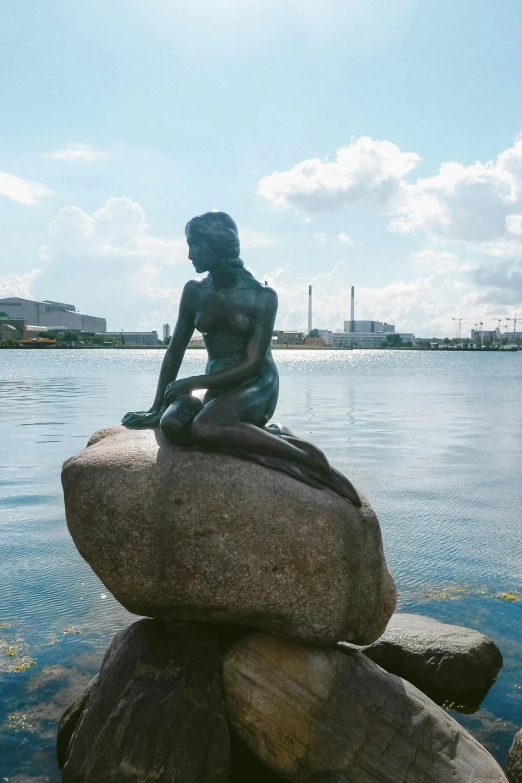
(200, 253)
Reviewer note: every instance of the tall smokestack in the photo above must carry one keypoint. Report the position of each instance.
(352, 311)
(309, 309)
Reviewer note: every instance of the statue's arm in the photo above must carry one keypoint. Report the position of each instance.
(175, 352)
(258, 348)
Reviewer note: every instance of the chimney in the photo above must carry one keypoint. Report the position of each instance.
(352, 311)
(309, 309)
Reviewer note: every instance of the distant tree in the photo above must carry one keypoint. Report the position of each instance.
(394, 340)
(314, 333)
(3, 315)
(10, 343)
(71, 337)
(167, 340)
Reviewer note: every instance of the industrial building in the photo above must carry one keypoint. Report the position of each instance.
(356, 334)
(53, 315)
(352, 326)
(483, 335)
(289, 338)
(367, 339)
(363, 327)
(18, 329)
(132, 338)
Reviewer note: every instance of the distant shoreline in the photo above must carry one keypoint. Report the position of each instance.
(197, 346)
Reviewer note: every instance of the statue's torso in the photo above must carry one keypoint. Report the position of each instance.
(227, 318)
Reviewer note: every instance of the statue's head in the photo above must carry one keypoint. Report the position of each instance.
(212, 237)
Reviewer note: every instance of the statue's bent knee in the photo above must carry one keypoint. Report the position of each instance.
(177, 420)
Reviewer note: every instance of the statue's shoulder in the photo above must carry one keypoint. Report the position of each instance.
(194, 288)
(267, 294)
(261, 289)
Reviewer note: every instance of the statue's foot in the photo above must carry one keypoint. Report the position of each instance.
(344, 487)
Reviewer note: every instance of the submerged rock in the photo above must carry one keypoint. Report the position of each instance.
(447, 662)
(514, 761)
(155, 711)
(303, 709)
(180, 533)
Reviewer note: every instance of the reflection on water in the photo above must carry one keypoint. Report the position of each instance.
(434, 440)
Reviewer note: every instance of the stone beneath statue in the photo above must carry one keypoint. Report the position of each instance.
(514, 761)
(303, 709)
(185, 534)
(155, 711)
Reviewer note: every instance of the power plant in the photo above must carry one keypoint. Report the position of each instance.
(356, 334)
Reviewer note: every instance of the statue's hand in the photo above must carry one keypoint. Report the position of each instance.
(178, 389)
(142, 419)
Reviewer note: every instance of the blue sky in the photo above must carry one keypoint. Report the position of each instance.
(374, 144)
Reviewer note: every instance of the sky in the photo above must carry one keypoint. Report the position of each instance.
(374, 143)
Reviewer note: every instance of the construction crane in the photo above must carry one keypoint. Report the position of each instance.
(499, 321)
(478, 336)
(514, 323)
(460, 326)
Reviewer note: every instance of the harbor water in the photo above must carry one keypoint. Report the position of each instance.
(434, 440)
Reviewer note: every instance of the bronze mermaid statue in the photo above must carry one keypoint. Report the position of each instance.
(236, 315)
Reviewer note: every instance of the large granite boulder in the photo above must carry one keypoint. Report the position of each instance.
(70, 720)
(303, 709)
(154, 713)
(181, 533)
(448, 662)
(514, 761)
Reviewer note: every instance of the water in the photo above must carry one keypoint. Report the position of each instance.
(433, 439)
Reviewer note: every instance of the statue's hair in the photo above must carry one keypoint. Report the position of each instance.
(220, 231)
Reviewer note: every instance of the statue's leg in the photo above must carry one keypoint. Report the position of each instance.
(231, 422)
(176, 422)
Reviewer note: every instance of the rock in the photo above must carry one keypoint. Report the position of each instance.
(514, 761)
(155, 712)
(302, 709)
(70, 720)
(447, 662)
(245, 767)
(182, 534)
(328, 777)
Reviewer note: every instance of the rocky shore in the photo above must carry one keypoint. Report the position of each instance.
(271, 651)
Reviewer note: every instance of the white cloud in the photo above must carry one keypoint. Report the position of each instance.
(22, 191)
(471, 204)
(77, 153)
(252, 239)
(439, 262)
(321, 237)
(503, 280)
(514, 224)
(479, 205)
(366, 172)
(345, 239)
(118, 229)
(19, 285)
(424, 305)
